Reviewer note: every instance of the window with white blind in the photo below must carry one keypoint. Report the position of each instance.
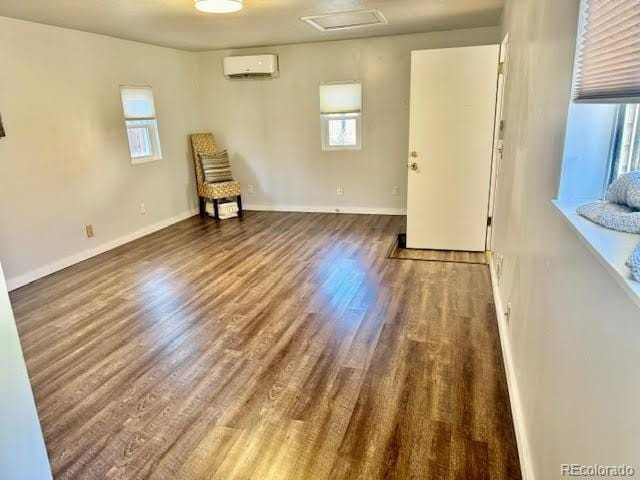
(608, 54)
(142, 124)
(602, 135)
(341, 115)
(603, 125)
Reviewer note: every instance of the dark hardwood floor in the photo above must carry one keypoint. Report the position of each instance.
(283, 346)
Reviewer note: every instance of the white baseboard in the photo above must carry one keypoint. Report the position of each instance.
(325, 209)
(21, 280)
(514, 391)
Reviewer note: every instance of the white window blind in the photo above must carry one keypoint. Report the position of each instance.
(608, 57)
(137, 102)
(340, 98)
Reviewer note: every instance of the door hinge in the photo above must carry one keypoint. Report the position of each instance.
(489, 221)
(500, 68)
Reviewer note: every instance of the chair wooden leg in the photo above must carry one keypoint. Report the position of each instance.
(215, 209)
(239, 199)
(203, 206)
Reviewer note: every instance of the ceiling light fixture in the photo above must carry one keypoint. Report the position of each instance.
(218, 6)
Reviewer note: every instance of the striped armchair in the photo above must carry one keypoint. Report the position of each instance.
(204, 144)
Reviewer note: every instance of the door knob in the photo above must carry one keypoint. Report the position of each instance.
(414, 154)
(413, 166)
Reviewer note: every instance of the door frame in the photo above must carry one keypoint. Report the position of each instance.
(498, 137)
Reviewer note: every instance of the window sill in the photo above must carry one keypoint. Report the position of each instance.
(611, 248)
(341, 149)
(142, 160)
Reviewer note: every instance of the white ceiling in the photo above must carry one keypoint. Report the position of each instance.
(176, 23)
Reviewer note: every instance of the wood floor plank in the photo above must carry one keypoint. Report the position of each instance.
(279, 346)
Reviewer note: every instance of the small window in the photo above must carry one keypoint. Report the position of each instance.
(341, 116)
(142, 124)
(626, 143)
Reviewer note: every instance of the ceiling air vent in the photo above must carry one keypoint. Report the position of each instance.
(346, 20)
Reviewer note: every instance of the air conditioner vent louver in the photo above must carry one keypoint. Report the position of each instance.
(250, 75)
(346, 20)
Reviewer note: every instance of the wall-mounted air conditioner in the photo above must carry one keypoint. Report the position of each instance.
(248, 66)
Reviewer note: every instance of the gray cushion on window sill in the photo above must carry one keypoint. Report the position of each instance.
(625, 190)
(616, 217)
(634, 263)
(611, 215)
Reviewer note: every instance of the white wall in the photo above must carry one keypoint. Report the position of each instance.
(574, 333)
(272, 127)
(23, 455)
(65, 160)
(65, 164)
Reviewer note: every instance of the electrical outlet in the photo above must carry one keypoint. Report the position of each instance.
(340, 191)
(89, 229)
(507, 313)
(249, 188)
(143, 209)
(396, 191)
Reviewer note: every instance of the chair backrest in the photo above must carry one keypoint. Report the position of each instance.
(201, 144)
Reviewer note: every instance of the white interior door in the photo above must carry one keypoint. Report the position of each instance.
(453, 101)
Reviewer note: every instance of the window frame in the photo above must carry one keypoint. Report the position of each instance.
(150, 123)
(325, 118)
(618, 137)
